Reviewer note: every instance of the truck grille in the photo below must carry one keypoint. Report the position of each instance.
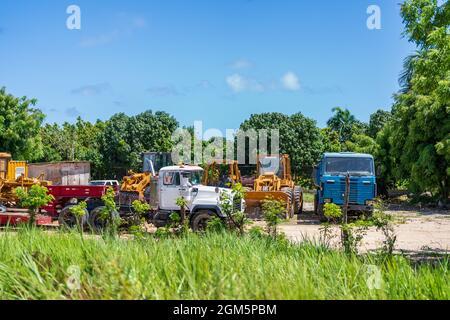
(359, 191)
(353, 197)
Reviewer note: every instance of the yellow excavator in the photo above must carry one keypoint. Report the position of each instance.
(14, 174)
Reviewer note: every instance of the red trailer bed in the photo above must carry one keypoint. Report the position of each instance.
(63, 194)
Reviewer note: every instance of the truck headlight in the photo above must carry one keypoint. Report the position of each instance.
(328, 200)
(369, 202)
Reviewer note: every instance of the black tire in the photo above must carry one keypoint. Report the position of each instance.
(200, 220)
(291, 212)
(96, 223)
(322, 217)
(298, 200)
(68, 220)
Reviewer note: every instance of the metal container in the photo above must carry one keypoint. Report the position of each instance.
(66, 173)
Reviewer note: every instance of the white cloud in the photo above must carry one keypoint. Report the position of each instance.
(241, 64)
(290, 81)
(236, 82)
(239, 83)
(92, 90)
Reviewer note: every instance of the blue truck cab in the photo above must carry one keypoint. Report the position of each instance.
(330, 180)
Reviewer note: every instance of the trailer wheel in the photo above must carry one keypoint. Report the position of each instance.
(96, 223)
(200, 220)
(67, 219)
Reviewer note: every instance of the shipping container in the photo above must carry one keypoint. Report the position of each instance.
(68, 173)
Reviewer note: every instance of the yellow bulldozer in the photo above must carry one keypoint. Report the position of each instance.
(14, 174)
(273, 179)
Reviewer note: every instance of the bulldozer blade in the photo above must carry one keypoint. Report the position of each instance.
(254, 200)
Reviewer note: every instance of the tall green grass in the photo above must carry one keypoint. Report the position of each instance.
(36, 265)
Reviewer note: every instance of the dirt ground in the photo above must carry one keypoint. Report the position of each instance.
(418, 230)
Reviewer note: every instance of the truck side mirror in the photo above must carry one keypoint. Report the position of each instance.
(378, 171)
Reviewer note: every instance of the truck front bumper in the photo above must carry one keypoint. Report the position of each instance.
(358, 207)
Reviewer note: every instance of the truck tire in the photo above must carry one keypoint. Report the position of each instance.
(298, 198)
(320, 213)
(96, 223)
(68, 220)
(291, 196)
(200, 220)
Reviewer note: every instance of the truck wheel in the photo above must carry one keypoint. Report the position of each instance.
(67, 219)
(322, 217)
(96, 223)
(298, 198)
(316, 204)
(200, 220)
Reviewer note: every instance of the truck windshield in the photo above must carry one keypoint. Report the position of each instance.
(194, 177)
(350, 164)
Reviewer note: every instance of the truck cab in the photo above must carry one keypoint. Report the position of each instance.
(203, 202)
(330, 181)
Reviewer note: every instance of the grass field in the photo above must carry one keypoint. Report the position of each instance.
(37, 265)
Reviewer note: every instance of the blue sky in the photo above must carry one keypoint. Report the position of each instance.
(215, 61)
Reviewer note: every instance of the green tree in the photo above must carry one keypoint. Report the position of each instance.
(73, 142)
(124, 138)
(361, 143)
(377, 122)
(343, 123)
(299, 137)
(419, 132)
(33, 198)
(19, 126)
(331, 141)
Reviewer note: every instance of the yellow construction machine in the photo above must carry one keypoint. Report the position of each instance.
(223, 175)
(137, 186)
(274, 180)
(14, 174)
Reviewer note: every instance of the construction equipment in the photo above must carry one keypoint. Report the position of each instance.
(14, 174)
(221, 175)
(136, 186)
(274, 181)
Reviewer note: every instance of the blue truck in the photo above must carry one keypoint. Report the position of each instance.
(330, 177)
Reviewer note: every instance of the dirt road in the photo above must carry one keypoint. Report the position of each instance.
(418, 230)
